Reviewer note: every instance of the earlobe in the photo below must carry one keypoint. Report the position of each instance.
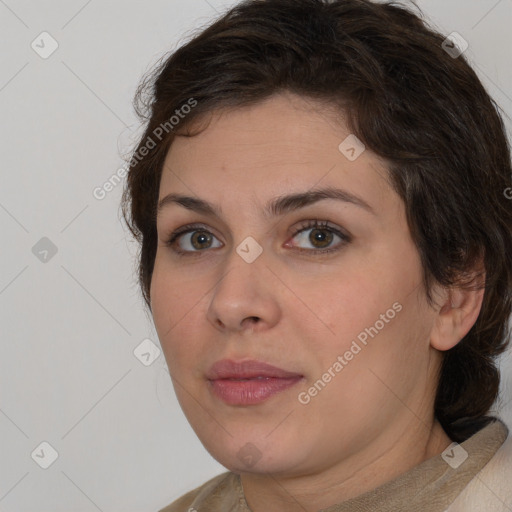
(456, 316)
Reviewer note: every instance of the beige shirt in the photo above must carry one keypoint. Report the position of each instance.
(428, 487)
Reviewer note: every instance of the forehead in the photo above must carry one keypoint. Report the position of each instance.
(281, 122)
(284, 144)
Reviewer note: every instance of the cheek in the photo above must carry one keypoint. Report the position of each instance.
(374, 301)
(174, 302)
(350, 301)
(163, 299)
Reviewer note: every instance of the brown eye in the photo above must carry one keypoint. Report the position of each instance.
(320, 237)
(195, 239)
(191, 239)
(200, 239)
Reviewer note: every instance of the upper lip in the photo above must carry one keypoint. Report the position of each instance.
(229, 369)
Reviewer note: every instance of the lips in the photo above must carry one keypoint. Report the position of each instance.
(228, 369)
(248, 383)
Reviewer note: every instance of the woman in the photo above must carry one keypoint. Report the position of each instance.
(326, 249)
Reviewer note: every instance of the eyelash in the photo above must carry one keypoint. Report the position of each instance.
(323, 225)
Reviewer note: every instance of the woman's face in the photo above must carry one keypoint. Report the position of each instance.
(351, 326)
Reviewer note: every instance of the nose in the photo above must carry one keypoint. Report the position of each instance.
(244, 297)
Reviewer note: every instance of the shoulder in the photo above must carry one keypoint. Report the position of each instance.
(216, 487)
(491, 489)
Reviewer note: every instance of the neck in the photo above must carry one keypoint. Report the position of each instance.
(348, 478)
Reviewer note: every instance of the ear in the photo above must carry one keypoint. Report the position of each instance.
(456, 315)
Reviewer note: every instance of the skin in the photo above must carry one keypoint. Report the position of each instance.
(300, 310)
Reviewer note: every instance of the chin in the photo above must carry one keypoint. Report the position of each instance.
(241, 455)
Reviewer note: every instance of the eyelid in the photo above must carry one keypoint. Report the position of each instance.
(322, 225)
(304, 225)
(187, 228)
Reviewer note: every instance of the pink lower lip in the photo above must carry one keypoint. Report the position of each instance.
(251, 391)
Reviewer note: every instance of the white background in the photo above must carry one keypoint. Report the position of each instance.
(68, 375)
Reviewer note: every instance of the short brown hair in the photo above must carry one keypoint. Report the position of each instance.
(424, 111)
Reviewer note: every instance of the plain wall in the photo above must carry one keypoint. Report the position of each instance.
(71, 320)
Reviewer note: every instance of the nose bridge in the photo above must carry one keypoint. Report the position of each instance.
(242, 291)
(242, 271)
(247, 250)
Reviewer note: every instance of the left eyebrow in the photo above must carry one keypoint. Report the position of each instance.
(275, 207)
